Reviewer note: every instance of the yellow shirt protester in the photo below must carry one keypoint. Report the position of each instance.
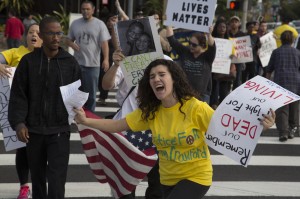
(180, 141)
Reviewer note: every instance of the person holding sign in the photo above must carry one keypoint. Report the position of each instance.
(178, 120)
(11, 58)
(285, 63)
(221, 84)
(196, 60)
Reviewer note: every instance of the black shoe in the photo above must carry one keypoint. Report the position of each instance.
(283, 138)
(292, 133)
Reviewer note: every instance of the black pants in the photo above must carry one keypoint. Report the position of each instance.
(287, 117)
(153, 190)
(185, 189)
(48, 157)
(103, 93)
(22, 165)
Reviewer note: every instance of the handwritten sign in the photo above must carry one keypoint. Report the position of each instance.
(134, 63)
(268, 44)
(191, 14)
(243, 50)
(222, 60)
(9, 135)
(235, 129)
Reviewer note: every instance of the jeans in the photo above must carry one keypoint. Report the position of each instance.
(89, 80)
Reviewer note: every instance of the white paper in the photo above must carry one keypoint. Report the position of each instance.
(234, 128)
(268, 44)
(222, 60)
(73, 98)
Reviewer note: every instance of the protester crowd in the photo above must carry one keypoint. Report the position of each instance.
(171, 97)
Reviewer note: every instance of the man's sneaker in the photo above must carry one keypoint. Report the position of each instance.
(24, 192)
(292, 133)
(283, 138)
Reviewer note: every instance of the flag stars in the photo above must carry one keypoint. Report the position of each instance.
(140, 139)
(132, 136)
(149, 135)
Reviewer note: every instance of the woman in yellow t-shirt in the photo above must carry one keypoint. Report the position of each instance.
(11, 58)
(178, 120)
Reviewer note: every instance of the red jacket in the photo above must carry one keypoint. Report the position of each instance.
(14, 28)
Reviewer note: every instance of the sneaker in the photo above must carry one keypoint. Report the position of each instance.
(292, 133)
(24, 192)
(283, 138)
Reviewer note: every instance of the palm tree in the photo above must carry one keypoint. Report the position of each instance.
(18, 5)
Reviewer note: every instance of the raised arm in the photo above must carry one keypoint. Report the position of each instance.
(108, 81)
(123, 15)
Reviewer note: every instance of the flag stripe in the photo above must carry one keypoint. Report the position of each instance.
(113, 159)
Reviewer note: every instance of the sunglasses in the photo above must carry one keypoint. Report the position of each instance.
(193, 44)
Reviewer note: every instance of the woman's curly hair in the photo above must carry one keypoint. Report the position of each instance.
(146, 98)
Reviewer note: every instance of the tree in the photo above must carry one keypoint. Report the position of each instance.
(17, 5)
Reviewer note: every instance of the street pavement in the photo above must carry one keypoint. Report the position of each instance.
(273, 171)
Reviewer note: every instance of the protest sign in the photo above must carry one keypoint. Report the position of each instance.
(243, 50)
(9, 135)
(268, 44)
(191, 14)
(235, 127)
(222, 60)
(140, 43)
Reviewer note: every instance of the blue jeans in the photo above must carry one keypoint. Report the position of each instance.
(89, 80)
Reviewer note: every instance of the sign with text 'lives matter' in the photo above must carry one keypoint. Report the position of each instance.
(235, 127)
(190, 14)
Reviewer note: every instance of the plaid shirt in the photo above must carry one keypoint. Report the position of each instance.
(285, 62)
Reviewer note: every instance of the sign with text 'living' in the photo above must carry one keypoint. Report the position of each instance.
(235, 127)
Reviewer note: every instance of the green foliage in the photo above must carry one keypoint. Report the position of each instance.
(62, 16)
(17, 5)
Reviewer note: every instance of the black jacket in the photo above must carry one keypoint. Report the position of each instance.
(35, 98)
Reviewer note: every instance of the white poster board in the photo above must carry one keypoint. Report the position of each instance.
(10, 138)
(243, 50)
(222, 60)
(235, 127)
(268, 44)
(136, 61)
(191, 14)
(73, 16)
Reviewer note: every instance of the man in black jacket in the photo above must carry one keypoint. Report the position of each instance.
(37, 112)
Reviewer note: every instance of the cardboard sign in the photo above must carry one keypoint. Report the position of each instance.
(268, 44)
(191, 14)
(222, 60)
(9, 135)
(140, 43)
(243, 50)
(235, 127)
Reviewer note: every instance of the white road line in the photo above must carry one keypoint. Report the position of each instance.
(242, 188)
(80, 159)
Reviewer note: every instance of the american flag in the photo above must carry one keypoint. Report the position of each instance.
(114, 160)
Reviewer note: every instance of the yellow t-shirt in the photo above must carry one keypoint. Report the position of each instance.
(14, 55)
(180, 141)
(280, 29)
